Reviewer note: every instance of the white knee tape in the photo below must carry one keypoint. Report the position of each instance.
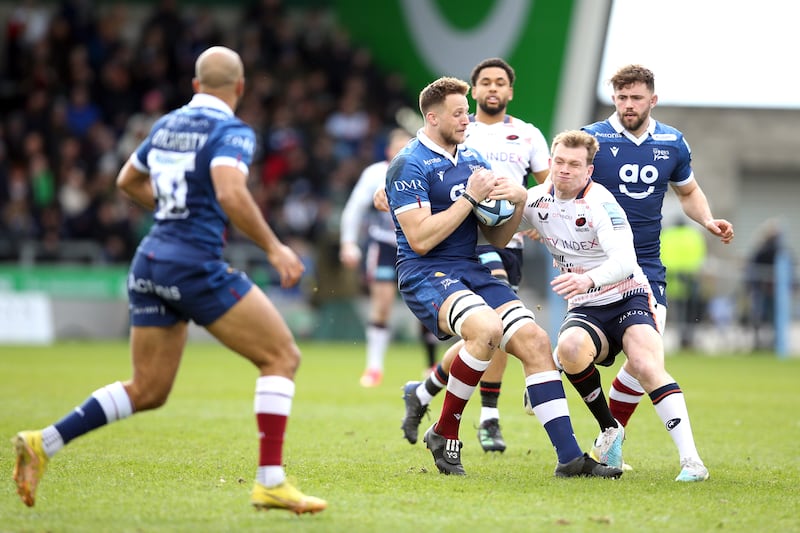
(464, 306)
(513, 319)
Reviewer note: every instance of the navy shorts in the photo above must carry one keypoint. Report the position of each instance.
(161, 293)
(508, 259)
(381, 261)
(614, 319)
(425, 285)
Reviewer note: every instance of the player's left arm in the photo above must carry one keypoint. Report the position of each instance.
(695, 204)
(613, 233)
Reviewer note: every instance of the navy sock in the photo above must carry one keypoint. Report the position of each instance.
(82, 420)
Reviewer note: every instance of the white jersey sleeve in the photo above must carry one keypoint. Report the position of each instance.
(359, 205)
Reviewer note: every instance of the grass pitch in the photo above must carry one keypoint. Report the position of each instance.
(190, 465)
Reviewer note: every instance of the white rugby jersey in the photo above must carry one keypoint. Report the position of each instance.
(513, 147)
(590, 235)
(359, 205)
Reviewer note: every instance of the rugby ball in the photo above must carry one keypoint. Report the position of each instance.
(494, 212)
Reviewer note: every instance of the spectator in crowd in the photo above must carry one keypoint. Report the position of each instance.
(78, 75)
(760, 280)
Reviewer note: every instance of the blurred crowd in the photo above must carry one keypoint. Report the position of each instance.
(81, 85)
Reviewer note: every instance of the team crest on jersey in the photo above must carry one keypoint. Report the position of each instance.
(659, 153)
(614, 150)
(512, 137)
(580, 221)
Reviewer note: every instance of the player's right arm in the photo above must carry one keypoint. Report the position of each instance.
(423, 229)
(352, 217)
(135, 183)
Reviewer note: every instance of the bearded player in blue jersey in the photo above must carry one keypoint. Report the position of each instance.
(638, 159)
(192, 171)
(432, 186)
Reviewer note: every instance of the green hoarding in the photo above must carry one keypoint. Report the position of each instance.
(425, 39)
(68, 282)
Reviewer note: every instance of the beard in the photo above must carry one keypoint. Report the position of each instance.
(492, 111)
(451, 139)
(632, 123)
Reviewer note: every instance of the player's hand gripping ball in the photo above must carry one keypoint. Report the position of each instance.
(494, 212)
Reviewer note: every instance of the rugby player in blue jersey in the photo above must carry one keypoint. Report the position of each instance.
(192, 171)
(432, 186)
(638, 159)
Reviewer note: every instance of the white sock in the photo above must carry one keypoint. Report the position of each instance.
(377, 343)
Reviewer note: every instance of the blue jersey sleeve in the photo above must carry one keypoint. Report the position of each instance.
(406, 185)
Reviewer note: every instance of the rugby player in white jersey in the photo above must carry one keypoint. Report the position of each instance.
(610, 304)
(381, 257)
(515, 149)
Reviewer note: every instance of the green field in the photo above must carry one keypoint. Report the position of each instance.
(189, 466)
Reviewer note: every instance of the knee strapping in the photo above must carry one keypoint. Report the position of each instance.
(573, 323)
(513, 319)
(462, 308)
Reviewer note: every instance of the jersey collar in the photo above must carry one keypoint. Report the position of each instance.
(207, 100)
(578, 196)
(433, 147)
(619, 128)
(506, 119)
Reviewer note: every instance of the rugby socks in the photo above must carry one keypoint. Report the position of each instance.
(670, 405)
(273, 403)
(106, 405)
(490, 393)
(433, 385)
(587, 383)
(549, 404)
(624, 396)
(465, 373)
(378, 338)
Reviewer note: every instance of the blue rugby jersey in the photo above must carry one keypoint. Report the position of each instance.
(638, 173)
(423, 174)
(179, 153)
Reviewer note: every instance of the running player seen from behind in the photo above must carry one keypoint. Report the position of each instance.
(609, 301)
(192, 171)
(515, 149)
(432, 186)
(380, 263)
(638, 159)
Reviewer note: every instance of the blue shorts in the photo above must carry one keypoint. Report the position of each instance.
(425, 285)
(381, 261)
(161, 293)
(508, 259)
(614, 319)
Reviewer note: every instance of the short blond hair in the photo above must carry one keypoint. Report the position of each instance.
(577, 139)
(437, 91)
